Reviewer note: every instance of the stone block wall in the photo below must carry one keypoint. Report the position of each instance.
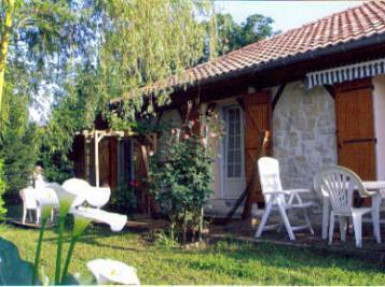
(303, 134)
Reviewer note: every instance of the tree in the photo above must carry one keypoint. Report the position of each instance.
(232, 36)
(35, 34)
(5, 35)
(19, 138)
(136, 44)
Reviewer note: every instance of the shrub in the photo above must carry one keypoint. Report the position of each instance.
(123, 199)
(181, 182)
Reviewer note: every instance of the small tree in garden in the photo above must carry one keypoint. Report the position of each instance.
(182, 178)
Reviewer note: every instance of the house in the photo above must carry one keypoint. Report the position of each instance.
(319, 89)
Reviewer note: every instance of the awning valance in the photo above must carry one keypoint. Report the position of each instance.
(345, 73)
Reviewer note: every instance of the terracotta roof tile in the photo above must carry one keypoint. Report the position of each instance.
(355, 23)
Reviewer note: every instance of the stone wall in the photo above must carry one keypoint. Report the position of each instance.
(303, 134)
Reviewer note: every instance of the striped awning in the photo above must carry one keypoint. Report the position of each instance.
(345, 73)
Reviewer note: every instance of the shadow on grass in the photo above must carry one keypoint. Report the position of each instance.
(272, 265)
(93, 236)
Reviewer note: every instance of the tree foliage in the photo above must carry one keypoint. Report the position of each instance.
(19, 138)
(34, 35)
(135, 44)
(232, 36)
(143, 44)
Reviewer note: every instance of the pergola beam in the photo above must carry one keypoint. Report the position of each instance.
(98, 136)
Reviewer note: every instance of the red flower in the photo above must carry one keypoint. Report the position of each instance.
(186, 136)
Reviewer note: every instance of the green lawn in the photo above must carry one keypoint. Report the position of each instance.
(222, 263)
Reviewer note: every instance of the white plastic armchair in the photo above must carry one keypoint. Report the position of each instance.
(278, 199)
(338, 184)
(27, 195)
(34, 199)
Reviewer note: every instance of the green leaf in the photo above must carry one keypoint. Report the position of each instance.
(13, 270)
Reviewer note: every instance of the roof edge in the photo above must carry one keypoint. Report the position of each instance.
(311, 55)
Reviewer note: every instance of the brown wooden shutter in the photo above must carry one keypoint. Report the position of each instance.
(355, 128)
(258, 119)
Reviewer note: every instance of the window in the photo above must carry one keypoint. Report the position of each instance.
(233, 142)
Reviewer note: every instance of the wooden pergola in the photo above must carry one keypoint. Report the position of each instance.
(97, 135)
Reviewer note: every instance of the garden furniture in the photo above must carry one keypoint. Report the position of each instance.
(34, 199)
(278, 199)
(337, 185)
(28, 198)
(377, 186)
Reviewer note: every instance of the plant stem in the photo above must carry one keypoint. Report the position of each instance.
(59, 249)
(74, 239)
(38, 251)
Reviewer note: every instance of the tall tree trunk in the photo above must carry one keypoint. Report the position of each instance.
(4, 44)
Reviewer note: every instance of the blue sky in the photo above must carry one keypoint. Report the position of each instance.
(286, 14)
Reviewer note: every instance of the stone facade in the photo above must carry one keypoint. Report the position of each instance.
(303, 134)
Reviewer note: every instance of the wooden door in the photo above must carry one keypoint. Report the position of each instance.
(113, 162)
(258, 119)
(355, 128)
(104, 162)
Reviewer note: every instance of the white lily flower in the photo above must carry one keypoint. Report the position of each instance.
(66, 199)
(47, 201)
(114, 220)
(95, 196)
(112, 271)
(80, 224)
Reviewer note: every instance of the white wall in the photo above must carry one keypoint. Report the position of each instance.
(379, 123)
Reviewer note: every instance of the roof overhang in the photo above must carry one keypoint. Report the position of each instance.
(252, 73)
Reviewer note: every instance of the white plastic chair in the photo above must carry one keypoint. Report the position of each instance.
(94, 196)
(324, 195)
(277, 199)
(338, 185)
(27, 195)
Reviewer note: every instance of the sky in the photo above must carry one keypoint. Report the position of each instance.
(286, 14)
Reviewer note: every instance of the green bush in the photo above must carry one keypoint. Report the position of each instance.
(182, 178)
(123, 199)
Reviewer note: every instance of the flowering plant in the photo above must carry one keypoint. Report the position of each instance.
(182, 175)
(68, 203)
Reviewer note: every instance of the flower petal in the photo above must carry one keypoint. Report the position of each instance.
(66, 199)
(107, 270)
(114, 220)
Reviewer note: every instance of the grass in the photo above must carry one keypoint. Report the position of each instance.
(221, 263)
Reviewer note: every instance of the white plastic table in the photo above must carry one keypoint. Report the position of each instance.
(377, 186)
